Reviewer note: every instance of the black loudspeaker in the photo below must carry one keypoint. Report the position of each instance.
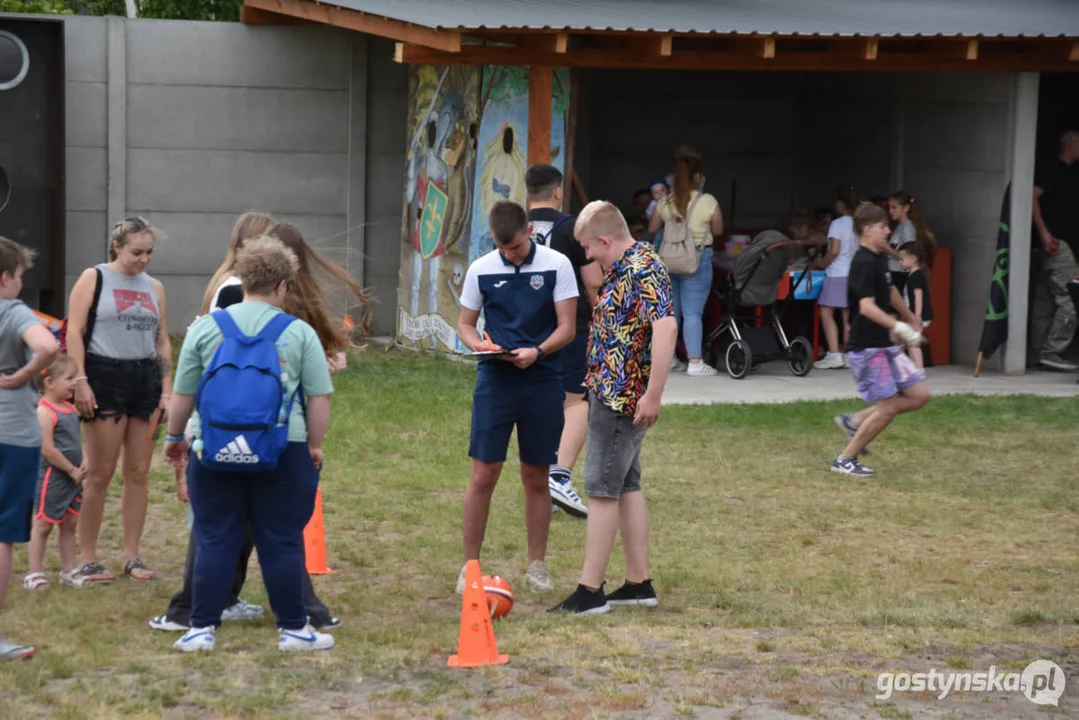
(32, 152)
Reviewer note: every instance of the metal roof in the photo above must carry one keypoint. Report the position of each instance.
(969, 18)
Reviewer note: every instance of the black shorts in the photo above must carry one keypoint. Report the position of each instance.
(124, 387)
(574, 359)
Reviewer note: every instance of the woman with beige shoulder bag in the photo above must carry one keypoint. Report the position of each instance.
(690, 218)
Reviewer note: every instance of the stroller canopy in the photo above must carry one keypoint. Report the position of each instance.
(760, 268)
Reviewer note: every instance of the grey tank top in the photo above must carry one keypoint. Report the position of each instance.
(128, 317)
(65, 433)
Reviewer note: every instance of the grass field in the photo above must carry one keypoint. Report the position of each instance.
(783, 587)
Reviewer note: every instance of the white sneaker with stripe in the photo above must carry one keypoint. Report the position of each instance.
(303, 640)
(197, 639)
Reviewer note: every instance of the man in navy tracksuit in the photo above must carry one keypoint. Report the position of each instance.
(528, 295)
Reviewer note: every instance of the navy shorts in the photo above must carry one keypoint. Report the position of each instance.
(574, 359)
(535, 409)
(18, 479)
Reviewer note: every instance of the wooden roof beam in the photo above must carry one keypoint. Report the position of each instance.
(654, 45)
(749, 54)
(871, 45)
(557, 43)
(447, 42)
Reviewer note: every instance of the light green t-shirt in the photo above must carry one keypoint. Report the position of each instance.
(303, 360)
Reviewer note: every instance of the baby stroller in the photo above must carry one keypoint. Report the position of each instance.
(755, 284)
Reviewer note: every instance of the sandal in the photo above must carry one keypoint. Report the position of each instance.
(36, 581)
(137, 570)
(95, 573)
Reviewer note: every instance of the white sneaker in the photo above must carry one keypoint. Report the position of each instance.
(537, 577)
(162, 622)
(700, 369)
(243, 610)
(564, 496)
(303, 640)
(677, 365)
(830, 362)
(197, 639)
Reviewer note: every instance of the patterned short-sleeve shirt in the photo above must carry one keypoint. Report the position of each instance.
(636, 292)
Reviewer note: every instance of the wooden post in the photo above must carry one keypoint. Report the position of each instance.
(571, 139)
(540, 81)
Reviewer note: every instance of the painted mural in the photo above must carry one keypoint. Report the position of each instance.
(468, 130)
(441, 158)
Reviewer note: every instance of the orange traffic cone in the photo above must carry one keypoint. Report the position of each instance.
(476, 645)
(314, 541)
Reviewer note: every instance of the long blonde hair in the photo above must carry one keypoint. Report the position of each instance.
(307, 300)
(249, 226)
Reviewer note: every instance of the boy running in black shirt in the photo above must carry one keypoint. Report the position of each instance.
(883, 373)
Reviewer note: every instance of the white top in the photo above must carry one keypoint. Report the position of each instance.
(904, 233)
(842, 229)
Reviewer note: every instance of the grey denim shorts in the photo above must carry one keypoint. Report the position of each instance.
(613, 463)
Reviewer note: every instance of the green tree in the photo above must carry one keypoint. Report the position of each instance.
(226, 10)
(41, 7)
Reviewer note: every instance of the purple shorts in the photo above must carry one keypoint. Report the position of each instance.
(833, 293)
(882, 373)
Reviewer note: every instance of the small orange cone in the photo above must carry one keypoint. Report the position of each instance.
(314, 541)
(476, 646)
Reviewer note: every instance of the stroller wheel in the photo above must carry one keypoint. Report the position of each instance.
(739, 359)
(799, 356)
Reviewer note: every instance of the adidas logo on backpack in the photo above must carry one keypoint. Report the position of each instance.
(241, 399)
(237, 451)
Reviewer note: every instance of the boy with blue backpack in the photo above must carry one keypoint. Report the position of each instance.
(246, 371)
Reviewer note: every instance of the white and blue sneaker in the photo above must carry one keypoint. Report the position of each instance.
(303, 640)
(850, 466)
(565, 497)
(196, 639)
(243, 610)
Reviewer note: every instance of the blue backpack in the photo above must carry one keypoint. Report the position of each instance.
(241, 399)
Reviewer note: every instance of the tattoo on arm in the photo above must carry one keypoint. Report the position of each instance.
(164, 366)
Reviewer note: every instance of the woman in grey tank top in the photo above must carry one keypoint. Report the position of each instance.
(118, 336)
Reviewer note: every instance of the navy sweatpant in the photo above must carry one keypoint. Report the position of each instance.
(277, 504)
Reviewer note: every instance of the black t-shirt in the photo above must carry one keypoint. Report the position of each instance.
(1060, 203)
(542, 221)
(918, 281)
(868, 278)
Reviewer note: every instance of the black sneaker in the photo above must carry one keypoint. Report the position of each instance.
(584, 602)
(641, 594)
(1054, 361)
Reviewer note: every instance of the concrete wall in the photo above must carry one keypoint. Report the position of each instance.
(955, 161)
(845, 135)
(191, 124)
(743, 124)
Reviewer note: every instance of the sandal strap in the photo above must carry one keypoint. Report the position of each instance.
(135, 564)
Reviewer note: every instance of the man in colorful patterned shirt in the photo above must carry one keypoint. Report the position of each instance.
(629, 353)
